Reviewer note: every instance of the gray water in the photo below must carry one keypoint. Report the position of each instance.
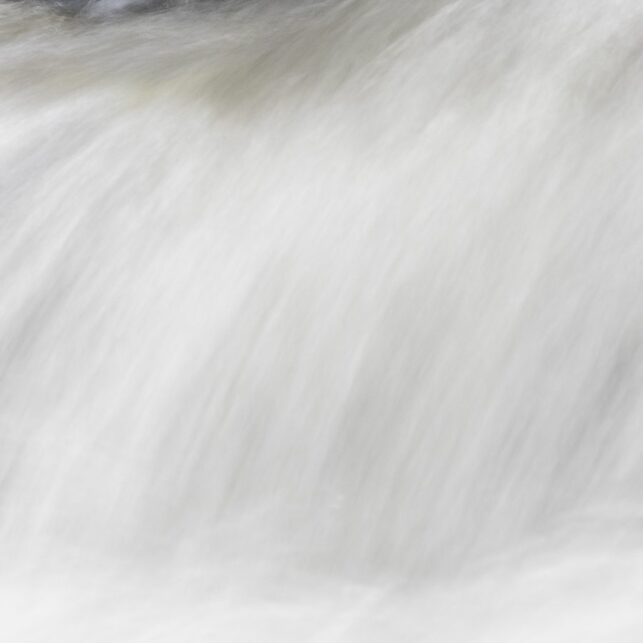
(321, 321)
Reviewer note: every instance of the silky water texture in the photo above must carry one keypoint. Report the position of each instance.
(321, 321)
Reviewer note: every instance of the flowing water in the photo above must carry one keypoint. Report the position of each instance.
(321, 320)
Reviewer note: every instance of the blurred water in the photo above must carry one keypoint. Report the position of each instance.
(322, 320)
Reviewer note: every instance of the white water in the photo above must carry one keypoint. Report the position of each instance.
(322, 321)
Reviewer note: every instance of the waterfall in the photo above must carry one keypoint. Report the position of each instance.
(321, 319)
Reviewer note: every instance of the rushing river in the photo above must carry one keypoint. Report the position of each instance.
(321, 321)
